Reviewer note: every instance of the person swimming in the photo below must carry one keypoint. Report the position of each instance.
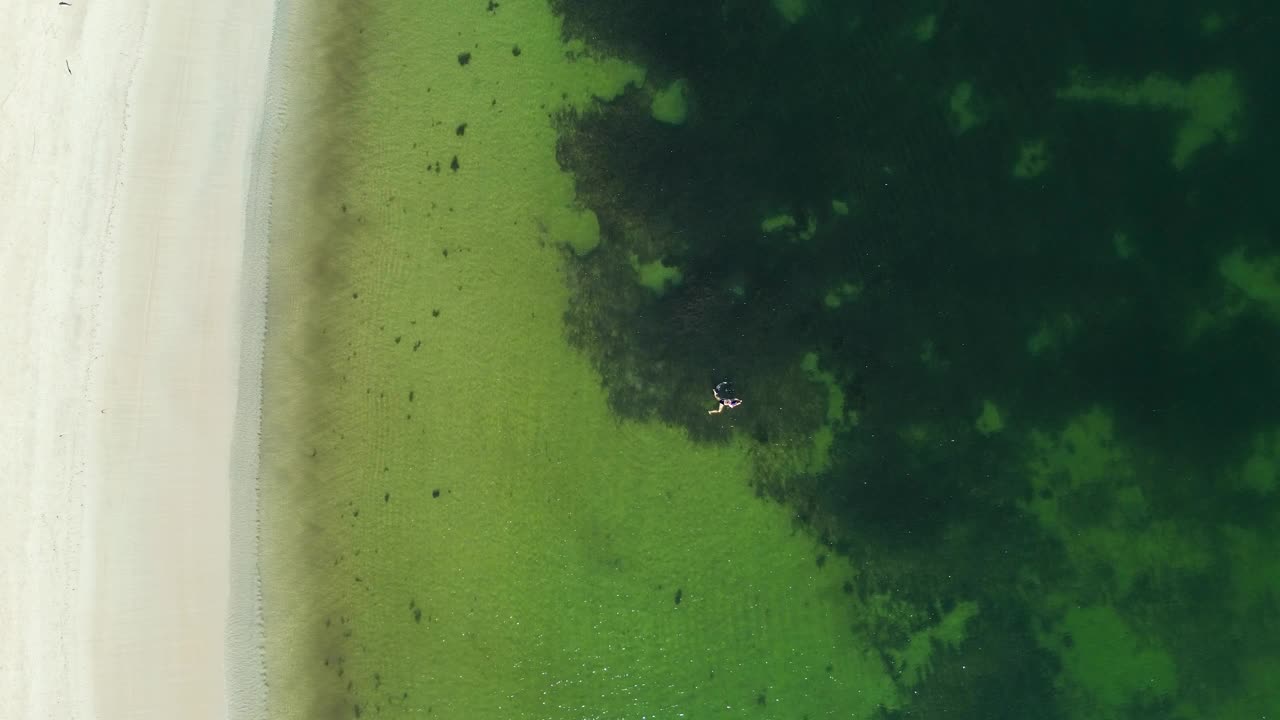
(726, 400)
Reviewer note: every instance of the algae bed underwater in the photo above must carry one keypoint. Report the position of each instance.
(998, 289)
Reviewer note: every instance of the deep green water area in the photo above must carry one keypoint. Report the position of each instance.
(998, 287)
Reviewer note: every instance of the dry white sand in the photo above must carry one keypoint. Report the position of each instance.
(132, 269)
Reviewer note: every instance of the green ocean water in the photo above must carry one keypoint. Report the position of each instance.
(482, 537)
(493, 489)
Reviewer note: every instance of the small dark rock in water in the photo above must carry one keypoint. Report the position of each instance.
(679, 595)
(464, 58)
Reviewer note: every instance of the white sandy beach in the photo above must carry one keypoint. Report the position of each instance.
(132, 251)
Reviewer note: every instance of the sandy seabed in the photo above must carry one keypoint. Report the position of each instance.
(135, 147)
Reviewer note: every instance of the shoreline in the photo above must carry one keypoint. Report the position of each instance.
(142, 148)
(303, 133)
(245, 632)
